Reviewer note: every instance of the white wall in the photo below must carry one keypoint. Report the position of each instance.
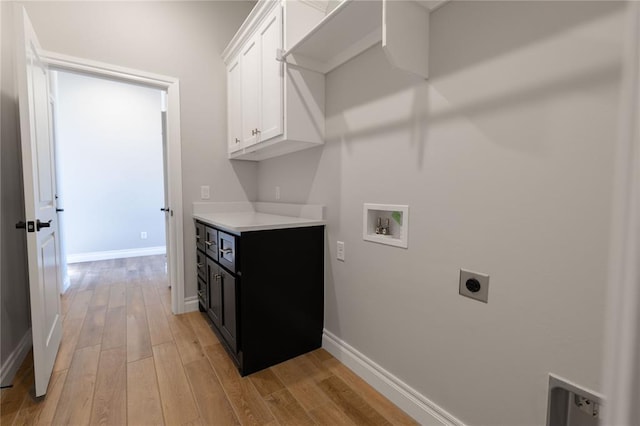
(505, 157)
(178, 39)
(109, 137)
(15, 319)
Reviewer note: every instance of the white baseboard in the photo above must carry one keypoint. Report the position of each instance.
(115, 254)
(13, 362)
(418, 406)
(190, 304)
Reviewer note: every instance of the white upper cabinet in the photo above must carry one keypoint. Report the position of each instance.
(273, 108)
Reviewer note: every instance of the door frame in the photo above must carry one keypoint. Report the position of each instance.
(173, 172)
(622, 351)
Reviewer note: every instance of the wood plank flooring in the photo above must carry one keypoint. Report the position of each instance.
(125, 359)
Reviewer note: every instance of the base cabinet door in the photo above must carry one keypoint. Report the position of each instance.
(214, 307)
(228, 325)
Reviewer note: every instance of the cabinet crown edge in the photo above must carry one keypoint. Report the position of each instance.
(249, 27)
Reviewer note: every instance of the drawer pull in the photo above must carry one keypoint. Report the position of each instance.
(217, 276)
(200, 265)
(226, 251)
(209, 243)
(197, 237)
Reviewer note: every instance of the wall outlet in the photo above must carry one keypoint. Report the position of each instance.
(143, 235)
(340, 251)
(474, 285)
(277, 192)
(205, 193)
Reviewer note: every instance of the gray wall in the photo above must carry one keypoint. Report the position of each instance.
(109, 146)
(505, 156)
(178, 39)
(14, 310)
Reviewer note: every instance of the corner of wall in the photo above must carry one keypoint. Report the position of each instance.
(14, 360)
(397, 391)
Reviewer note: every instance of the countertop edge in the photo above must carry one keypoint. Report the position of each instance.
(237, 230)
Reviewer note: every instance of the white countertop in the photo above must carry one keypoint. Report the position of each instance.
(238, 222)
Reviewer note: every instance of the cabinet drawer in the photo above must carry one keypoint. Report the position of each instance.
(201, 265)
(211, 242)
(227, 249)
(200, 236)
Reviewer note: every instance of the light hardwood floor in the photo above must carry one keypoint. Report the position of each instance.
(125, 359)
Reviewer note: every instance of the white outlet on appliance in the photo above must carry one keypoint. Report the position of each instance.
(277, 192)
(340, 251)
(143, 235)
(204, 192)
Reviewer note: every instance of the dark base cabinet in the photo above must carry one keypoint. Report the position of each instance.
(265, 294)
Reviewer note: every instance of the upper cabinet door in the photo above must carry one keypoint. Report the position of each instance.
(250, 92)
(234, 105)
(271, 77)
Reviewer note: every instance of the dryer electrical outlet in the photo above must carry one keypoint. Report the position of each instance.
(474, 285)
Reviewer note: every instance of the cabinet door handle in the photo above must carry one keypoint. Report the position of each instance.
(237, 140)
(200, 265)
(210, 243)
(197, 237)
(255, 131)
(226, 251)
(217, 276)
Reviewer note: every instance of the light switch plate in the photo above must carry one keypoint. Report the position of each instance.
(205, 193)
(482, 294)
(340, 250)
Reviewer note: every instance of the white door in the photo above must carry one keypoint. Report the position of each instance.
(39, 197)
(166, 208)
(250, 99)
(234, 105)
(62, 247)
(271, 77)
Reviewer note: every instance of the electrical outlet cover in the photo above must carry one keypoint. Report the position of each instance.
(205, 192)
(482, 294)
(340, 250)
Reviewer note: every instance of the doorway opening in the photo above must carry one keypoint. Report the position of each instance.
(171, 181)
(110, 167)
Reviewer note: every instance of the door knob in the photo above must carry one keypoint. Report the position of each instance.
(40, 225)
(29, 226)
